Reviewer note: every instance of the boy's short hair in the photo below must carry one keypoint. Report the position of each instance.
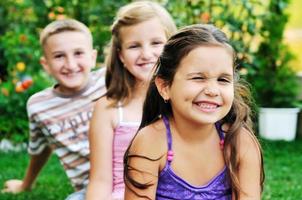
(60, 26)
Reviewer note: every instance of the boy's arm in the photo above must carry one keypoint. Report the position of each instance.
(35, 166)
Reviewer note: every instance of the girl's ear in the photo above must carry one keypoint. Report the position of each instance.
(162, 88)
(45, 65)
(120, 55)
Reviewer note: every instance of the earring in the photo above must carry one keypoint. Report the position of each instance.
(166, 100)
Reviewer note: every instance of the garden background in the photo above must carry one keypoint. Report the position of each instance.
(263, 33)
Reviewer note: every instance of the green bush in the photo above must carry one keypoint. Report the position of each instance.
(20, 50)
(13, 118)
(274, 80)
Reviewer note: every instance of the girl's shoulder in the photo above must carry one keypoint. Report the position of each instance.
(248, 145)
(150, 141)
(105, 104)
(105, 111)
(246, 139)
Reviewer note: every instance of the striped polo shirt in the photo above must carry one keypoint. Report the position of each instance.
(62, 122)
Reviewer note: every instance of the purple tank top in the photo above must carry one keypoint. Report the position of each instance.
(170, 186)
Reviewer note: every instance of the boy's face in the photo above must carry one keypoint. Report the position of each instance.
(69, 58)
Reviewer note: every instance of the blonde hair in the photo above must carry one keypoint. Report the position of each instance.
(60, 26)
(140, 11)
(119, 81)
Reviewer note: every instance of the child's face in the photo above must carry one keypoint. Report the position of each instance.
(141, 45)
(69, 58)
(202, 89)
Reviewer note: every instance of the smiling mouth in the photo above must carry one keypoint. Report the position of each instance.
(146, 65)
(71, 74)
(207, 106)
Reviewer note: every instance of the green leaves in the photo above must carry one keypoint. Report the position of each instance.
(274, 81)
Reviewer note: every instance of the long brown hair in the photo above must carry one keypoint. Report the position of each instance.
(119, 81)
(239, 116)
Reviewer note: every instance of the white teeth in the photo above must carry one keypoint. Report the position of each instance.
(207, 106)
(148, 65)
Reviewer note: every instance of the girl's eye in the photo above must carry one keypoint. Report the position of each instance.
(133, 46)
(224, 80)
(198, 78)
(157, 43)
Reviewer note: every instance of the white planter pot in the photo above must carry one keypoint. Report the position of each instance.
(278, 123)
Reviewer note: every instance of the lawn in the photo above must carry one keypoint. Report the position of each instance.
(283, 163)
(283, 168)
(52, 184)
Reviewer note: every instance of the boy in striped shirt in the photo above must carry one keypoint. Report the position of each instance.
(59, 116)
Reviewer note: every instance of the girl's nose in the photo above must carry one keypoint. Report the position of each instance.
(210, 92)
(146, 53)
(211, 89)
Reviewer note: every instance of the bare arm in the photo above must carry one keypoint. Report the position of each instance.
(101, 140)
(147, 170)
(36, 164)
(250, 168)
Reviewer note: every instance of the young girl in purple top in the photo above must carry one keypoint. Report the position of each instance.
(195, 140)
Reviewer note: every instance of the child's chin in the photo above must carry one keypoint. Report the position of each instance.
(73, 86)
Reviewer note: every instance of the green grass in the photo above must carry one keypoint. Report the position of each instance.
(283, 168)
(52, 183)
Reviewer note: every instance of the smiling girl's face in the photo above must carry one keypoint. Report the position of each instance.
(141, 45)
(202, 90)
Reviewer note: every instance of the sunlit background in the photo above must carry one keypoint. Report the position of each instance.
(293, 33)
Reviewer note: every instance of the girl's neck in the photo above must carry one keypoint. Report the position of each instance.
(137, 94)
(140, 90)
(191, 132)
